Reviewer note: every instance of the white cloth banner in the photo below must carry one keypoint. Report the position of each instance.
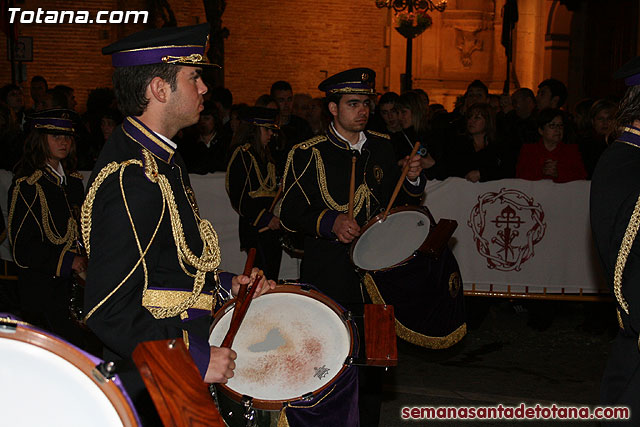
(529, 235)
(214, 205)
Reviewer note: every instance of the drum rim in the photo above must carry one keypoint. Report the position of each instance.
(274, 405)
(42, 339)
(377, 218)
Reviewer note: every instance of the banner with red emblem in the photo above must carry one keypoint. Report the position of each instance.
(520, 236)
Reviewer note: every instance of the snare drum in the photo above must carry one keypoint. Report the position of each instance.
(426, 292)
(46, 381)
(294, 345)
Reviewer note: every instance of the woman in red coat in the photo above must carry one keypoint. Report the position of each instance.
(550, 158)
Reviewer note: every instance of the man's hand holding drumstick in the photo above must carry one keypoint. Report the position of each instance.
(222, 359)
(345, 227)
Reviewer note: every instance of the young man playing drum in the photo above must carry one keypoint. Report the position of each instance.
(153, 262)
(316, 193)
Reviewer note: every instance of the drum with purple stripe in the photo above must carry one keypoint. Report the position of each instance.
(47, 381)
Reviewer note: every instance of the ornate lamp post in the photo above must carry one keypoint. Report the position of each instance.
(412, 20)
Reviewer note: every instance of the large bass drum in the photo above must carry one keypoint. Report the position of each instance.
(425, 291)
(47, 381)
(294, 348)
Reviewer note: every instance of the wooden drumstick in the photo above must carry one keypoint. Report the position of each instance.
(248, 266)
(403, 175)
(239, 313)
(352, 187)
(272, 207)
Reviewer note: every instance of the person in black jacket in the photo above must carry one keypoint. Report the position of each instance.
(615, 208)
(43, 223)
(154, 263)
(252, 186)
(473, 155)
(415, 128)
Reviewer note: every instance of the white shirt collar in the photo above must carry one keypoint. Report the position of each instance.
(59, 172)
(168, 141)
(362, 138)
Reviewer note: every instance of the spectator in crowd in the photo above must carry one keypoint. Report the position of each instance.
(423, 96)
(205, 148)
(294, 128)
(44, 243)
(601, 117)
(477, 92)
(10, 138)
(552, 93)
(550, 158)
(69, 94)
(318, 121)
(473, 156)
(413, 119)
(234, 121)
(37, 88)
(266, 101)
(11, 96)
(222, 98)
(52, 99)
(581, 118)
(494, 101)
(451, 126)
(388, 108)
(518, 127)
(301, 105)
(252, 185)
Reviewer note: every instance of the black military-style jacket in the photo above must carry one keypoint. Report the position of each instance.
(43, 224)
(251, 186)
(150, 275)
(316, 191)
(317, 178)
(615, 192)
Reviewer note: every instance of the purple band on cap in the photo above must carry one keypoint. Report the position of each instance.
(51, 121)
(152, 55)
(632, 80)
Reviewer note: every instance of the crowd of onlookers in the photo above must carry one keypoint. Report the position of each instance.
(486, 137)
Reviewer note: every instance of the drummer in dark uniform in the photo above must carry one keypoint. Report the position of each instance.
(43, 223)
(317, 178)
(153, 261)
(252, 185)
(615, 219)
(316, 198)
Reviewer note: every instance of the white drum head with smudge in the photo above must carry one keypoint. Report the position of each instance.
(288, 345)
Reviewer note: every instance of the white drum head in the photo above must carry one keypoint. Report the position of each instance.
(40, 388)
(288, 345)
(385, 244)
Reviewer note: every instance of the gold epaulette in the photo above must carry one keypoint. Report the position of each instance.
(304, 145)
(31, 179)
(381, 135)
(77, 175)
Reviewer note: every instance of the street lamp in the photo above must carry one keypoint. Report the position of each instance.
(412, 20)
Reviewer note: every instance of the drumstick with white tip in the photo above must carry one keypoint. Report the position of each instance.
(403, 175)
(352, 187)
(273, 205)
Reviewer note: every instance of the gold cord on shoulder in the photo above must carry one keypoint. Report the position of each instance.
(46, 224)
(625, 249)
(207, 262)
